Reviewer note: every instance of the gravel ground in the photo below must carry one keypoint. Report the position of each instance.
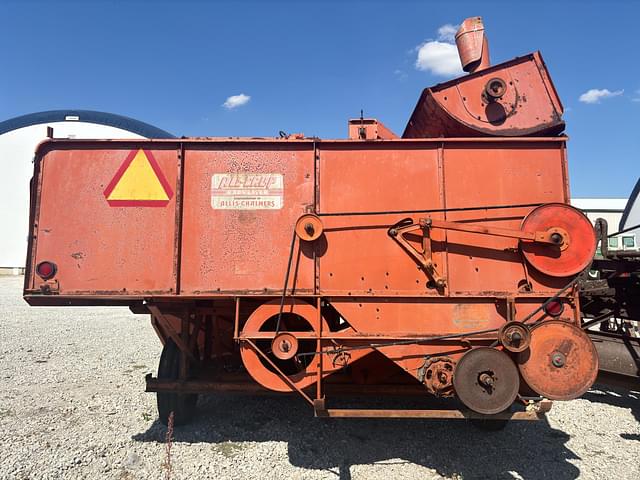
(72, 406)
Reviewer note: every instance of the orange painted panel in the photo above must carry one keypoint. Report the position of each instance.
(241, 205)
(513, 174)
(417, 316)
(360, 256)
(99, 248)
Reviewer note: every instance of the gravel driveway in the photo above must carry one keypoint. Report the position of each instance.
(72, 406)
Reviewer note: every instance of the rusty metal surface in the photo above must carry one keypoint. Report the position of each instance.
(97, 248)
(561, 362)
(242, 384)
(369, 129)
(497, 177)
(486, 380)
(434, 414)
(618, 354)
(460, 108)
(295, 373)
(239, 243)
(514, 336)
(473, 47)
(438, 376)
(330, 265)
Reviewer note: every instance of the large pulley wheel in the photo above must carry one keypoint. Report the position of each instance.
(486, 380)
(575, 235)
(561, 362)
(285, 359)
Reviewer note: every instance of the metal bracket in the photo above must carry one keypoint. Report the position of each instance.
(166, 326)
(424, 257)
(553, 236)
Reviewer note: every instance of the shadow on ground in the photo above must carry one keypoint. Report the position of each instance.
(618, 397)
(531, 449)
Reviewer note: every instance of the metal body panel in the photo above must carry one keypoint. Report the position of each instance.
(236, 248)
(359, 188)
(360, 257)
(241, 250)
(100, 249)
(514, 174)
(529, 105)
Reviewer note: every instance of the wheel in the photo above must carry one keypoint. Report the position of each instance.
(561, 362)
(183, 405)
(297, 319)
(486, 380)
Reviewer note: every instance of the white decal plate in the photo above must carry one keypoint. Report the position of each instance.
(247, 191)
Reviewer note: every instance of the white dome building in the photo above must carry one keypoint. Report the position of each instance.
(19, 138)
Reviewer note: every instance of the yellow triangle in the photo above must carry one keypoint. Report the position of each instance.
(139, 182)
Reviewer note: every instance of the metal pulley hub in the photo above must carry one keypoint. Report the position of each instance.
(514, 336)
(573, 240)
(309, 227)
(495, 89)
(486, 380)
(561, 362)
(284, 346)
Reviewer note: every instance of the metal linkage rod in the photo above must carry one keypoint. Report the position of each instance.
(437, 210)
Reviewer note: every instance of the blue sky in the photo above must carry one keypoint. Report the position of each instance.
(309, 66)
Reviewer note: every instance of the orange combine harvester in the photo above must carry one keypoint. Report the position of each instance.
(444, 262)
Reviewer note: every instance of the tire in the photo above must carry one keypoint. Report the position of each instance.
(183, 406)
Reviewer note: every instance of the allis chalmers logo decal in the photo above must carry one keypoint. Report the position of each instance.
(139, 182)
(247, 191)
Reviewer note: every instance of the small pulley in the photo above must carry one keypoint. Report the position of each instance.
(284, 346)
(514, 336)
(309, 227)
(486, 380)
(561, 362)
(573, 240)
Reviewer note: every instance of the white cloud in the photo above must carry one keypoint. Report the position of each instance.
(594, 95)
(235, 101)
(400, 74)
(637, 97)
(439, 58)
(447, 33)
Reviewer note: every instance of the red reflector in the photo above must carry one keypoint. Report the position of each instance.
(46, 270)
(554, 308)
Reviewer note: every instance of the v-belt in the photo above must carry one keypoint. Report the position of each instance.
(416, 341)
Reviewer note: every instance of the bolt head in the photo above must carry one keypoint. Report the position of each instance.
(558, 360)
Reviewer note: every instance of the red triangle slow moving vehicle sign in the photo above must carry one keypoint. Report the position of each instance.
(139, 182)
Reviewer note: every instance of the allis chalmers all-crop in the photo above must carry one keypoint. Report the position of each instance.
(444, 262)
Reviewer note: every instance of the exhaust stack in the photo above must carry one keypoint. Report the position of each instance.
(473, 47)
